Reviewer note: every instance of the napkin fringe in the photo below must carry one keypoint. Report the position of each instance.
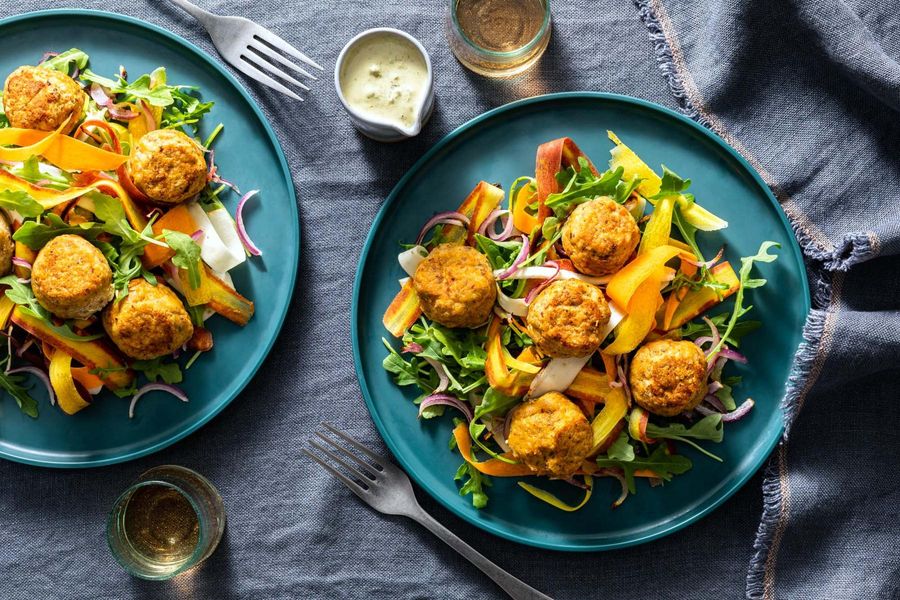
(854, 248)
(807, 361)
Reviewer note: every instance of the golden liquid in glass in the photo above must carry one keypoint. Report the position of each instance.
(161, 525)
(500, 25)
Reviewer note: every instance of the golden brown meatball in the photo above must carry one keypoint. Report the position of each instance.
(567, 317)
(71, 278)
(456, 286)
(44, 99)
(600, 236)
(550, 435)
(7, 246)
(149, 322)
(668, 377)
(167, 166)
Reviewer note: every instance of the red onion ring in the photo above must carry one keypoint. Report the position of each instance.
(45, 379)
(21, 262)
(714, 401)
(446, 400)
(487, 227)
(446, 218)
(151, 387)
(714, 330)
(241, 230)
(621, 477)
(523, 254)
(730, 354)
(443, 378)
(740, 412)
(714, 387)
(103, 99)
(539, 288)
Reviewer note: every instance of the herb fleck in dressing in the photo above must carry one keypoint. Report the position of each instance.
(384, 77)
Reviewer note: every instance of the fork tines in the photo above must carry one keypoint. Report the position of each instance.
(363, 474)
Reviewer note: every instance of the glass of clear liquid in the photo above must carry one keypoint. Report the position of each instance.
(498, 38)
(168, 521)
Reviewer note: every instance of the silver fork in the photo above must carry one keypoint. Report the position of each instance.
(384, 487)
(252, 49)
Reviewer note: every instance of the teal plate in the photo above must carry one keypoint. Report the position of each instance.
(247, 153)
(499, 146)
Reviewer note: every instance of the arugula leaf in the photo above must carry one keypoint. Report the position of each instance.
(747, 262)
(621, 449)
(22, 295)
(495, 402)
(12, 385)
(672, 184)
(20, 202)
(582, 186)
(35, 234)
(187, 254)
(64, 60)
(707, 428)
(663, 464)
(140, 89)
(185, 110)
(474, 485)
(156, 368)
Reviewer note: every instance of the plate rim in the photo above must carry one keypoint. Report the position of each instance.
(490, 527)
(196, 52)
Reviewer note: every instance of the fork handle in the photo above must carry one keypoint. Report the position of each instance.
(195, 11)
(516, 588)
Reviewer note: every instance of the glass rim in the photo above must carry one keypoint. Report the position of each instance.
(545, 24)
(112, 528)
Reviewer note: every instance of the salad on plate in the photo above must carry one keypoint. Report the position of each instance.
(116, 236)
(573, 328)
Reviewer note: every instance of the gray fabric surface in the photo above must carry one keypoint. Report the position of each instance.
(292, 531)
(808, 91)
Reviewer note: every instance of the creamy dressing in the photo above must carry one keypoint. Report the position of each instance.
(384, 76)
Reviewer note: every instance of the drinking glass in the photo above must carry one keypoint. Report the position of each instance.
(486, 35)
(168, 521)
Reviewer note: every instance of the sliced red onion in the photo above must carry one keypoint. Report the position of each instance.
(707, 263)
(714, 387)
(446, 218)
(151, 387)
(441, 370)
(148, 116)
(740, 412)
(123, 73)
(703, 340)
(212, 165)
(446, 400)
(703, 411)
(623, 378)
(487, 227)
(239, 219)
(714, 401)
(47, 56)
(412, 348)
(102, 98)
(497, 427)
(515, 306)
(23, 279)
(557, 376)
(411, 259)
(197, 235)
(507, 423)
(520, 258)
(45, 379)
(539, 288)
(621, 477)
(100, 95)
(730, 354)
(714, 330)
(122, 114)
(545, 272)
(576, 483)
(21, 262)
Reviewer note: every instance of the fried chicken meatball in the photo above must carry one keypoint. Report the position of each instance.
(600, 236)
(550, 435)
(149, 322)
(71, 278)
(44, 99)
(668, 377)
(567, 318)
(167, 166)
(7, 246)
(456, 286)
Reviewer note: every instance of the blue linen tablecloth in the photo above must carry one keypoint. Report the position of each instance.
(808, 92)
